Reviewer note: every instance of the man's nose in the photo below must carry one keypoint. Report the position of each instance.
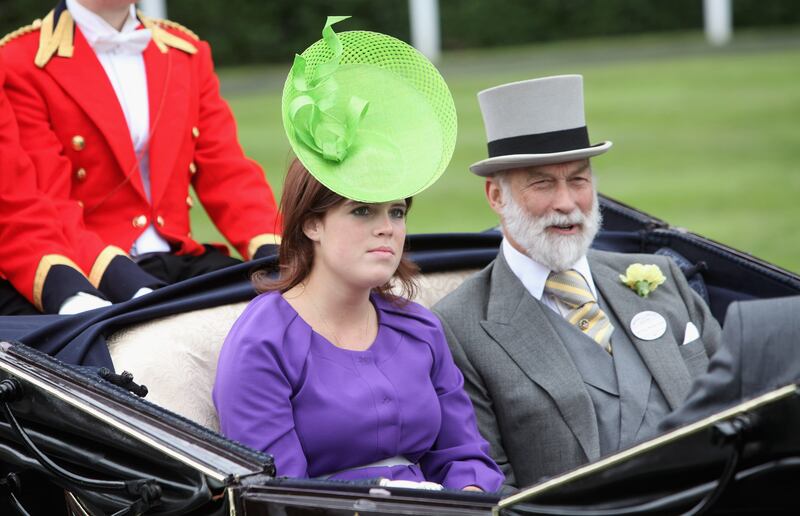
(564, 200)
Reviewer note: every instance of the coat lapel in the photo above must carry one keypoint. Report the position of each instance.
(516, 321)
(661, 355)
(83, 78)
(168, 86)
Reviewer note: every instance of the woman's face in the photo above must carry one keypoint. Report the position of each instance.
(358, 243)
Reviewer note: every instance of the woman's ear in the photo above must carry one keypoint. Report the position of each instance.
(311, 228)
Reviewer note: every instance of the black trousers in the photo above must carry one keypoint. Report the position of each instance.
(171, 268)
(165, 266)
(13, 303)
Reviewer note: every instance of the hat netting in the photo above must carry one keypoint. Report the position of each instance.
(398, 57)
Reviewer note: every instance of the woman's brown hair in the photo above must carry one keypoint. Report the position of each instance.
(304, 198)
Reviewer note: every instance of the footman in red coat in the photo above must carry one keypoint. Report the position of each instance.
(120, 115)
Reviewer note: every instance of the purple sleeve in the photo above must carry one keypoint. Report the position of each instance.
(253, 387)
(460, 456)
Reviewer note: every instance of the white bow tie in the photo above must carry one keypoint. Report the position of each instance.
(133, 42)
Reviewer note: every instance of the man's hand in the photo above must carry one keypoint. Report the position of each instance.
(142, 291)
(82, 302)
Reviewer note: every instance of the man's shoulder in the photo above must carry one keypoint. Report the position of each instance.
(472, 294)
(21, 43)
(620, 261)
(168, 33)
(173, 28)
(177, 29)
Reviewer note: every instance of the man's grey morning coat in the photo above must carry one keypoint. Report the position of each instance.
(547, 397)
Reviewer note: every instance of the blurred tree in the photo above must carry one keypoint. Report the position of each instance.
(255, 31)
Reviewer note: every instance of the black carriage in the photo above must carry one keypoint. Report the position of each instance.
(76, 433)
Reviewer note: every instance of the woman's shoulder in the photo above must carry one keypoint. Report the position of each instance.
(269, 304)
(266, 322)
(405, 315)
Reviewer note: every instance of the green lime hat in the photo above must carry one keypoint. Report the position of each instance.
(368, 115)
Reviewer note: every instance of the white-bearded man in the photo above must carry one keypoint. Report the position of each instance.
(565, 361)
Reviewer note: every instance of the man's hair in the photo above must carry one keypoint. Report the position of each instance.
(303, 199)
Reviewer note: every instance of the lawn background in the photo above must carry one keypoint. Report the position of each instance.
(707, 139)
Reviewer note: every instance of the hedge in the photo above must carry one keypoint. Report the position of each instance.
(256, 31)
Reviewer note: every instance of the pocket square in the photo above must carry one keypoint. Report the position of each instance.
(691, 335)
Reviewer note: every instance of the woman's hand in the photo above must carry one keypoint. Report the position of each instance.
(473, 488)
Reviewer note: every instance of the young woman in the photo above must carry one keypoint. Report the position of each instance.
(327, 369)
(335, 376)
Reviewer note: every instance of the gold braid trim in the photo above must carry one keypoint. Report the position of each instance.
(47, 262)
(177, 26)
(164, 39)
(55, 40)
(102, 262)
(259, 240)
(14, 34)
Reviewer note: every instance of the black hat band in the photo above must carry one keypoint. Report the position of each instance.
(542, 143)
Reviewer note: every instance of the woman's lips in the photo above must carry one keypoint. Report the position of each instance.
(382, 250)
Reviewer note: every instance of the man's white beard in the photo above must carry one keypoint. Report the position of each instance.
(557, 252)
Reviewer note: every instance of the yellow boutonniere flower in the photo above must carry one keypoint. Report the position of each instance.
(643, 279)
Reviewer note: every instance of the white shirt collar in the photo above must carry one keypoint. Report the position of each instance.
(93, 26)
(533, 274)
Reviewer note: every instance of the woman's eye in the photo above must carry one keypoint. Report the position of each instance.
(398, 213)
(361, 211)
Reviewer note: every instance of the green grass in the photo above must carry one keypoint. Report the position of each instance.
(707, 139)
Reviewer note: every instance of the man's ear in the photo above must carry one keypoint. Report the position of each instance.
(311, 228)
(494, 194)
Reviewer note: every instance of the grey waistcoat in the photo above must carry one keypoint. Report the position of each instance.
(628, 403)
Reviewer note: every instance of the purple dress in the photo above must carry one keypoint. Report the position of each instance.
(319, 409)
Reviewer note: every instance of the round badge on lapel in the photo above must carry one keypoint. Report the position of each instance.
(648, 325)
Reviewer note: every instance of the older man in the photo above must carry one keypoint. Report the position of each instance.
(564, 361)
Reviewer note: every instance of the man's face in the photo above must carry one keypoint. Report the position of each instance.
(548, 212)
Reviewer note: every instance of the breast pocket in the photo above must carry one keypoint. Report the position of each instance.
(694, 356)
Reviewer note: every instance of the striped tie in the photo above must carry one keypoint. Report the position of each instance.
(571, 288)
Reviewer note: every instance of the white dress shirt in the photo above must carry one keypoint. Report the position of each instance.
(533, 276)
(120, 54)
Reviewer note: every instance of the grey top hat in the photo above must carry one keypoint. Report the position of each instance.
(535, 122)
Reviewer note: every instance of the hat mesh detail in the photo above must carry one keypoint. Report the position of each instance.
(386, 52)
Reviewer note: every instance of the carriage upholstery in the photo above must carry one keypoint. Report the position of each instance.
(187, 346)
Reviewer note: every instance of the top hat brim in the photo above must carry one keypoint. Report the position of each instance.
(490, 166)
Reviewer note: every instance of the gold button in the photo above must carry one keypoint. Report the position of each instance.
(139, 221)
(583, 324)
(192, 168)
(195, 132)
(189, 234)
(80, 203)
(78, 143)
(189, 201)
(160, 221)
(80, 174)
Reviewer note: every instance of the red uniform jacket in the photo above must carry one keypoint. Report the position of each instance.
(73, 128)
(31, 241)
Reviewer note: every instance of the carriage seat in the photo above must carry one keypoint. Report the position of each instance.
(187, 346)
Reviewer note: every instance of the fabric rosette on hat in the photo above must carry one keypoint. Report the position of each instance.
(368, 115)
